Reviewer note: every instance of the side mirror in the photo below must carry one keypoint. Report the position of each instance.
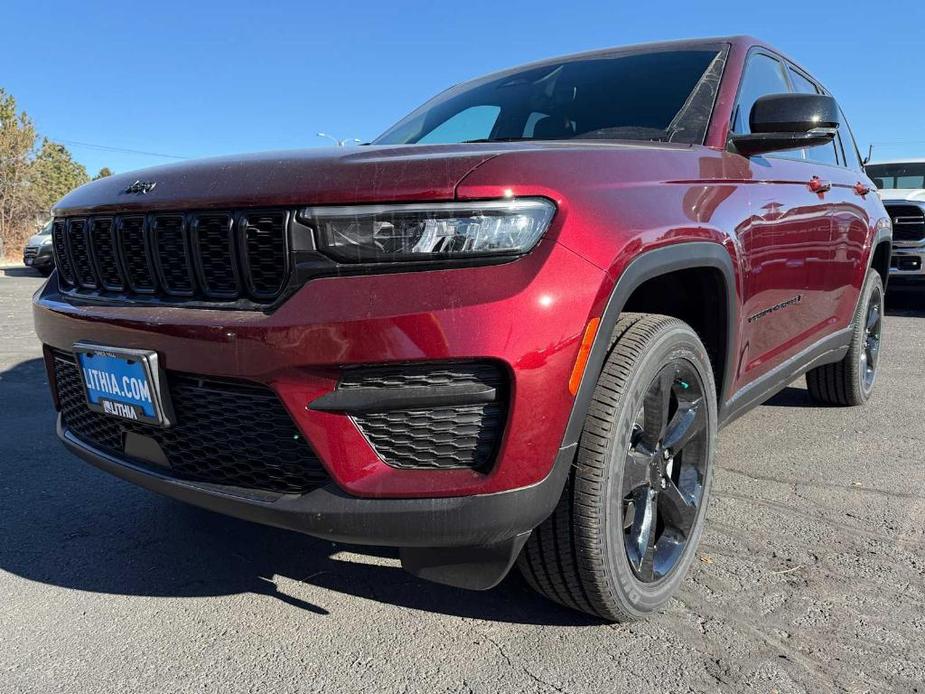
(789, 121)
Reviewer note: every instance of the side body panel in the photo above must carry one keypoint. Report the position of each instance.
(787, 251)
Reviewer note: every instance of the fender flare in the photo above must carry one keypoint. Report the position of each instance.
(882, 235)
(655, 263)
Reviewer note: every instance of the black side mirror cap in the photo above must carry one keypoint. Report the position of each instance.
(793, 113)
(789, 121)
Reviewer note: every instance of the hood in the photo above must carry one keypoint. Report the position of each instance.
(301, 177)
(902, 195)
(338, 176)
(38, 239)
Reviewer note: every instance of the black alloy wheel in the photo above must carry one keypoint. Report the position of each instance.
(873, 328)
(664, 472)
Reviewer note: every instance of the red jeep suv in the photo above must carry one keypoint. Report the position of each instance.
(507, 331)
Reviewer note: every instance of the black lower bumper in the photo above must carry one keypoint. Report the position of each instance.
(493, 524)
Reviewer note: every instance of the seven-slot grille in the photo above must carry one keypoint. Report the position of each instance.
(204, 256)
(908, 222)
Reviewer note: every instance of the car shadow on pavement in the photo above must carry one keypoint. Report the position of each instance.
(792, 396)
(65, 523)
(20, 272)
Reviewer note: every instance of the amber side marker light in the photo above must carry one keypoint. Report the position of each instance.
(584, 351)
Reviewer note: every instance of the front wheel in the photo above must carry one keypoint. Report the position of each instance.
(625, 531)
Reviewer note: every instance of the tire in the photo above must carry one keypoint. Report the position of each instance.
(850, 381)
(580, 556)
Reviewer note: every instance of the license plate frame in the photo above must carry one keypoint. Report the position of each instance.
(103, 383)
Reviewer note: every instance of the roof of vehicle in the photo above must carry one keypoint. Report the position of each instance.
(739, 41)
(906, 160)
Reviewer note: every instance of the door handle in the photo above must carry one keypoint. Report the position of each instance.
(817, 185)
(861, 189)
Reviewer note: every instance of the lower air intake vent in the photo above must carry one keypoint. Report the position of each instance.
(231, 433)
(459, 423)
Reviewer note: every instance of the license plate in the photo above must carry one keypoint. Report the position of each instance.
(29, 261)
(124, 383)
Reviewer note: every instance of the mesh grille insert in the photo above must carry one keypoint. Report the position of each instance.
(173, 259)
(62, 259)
(104, 251)
(135, 254)
(79, 249)
(228, 432)
(444, 437)
(264, 251)
(213, 239)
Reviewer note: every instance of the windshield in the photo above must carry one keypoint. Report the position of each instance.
(904, 176)
(45, 230)
(663, 95)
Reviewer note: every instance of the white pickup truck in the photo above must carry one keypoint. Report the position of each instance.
(901, 185)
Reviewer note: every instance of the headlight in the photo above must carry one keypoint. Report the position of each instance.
(439, 231)
(47, 242)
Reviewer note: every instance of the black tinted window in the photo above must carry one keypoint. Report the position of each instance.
(823, 154)
(646, 96)
(763, 75)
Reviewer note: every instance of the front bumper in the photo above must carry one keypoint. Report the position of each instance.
(39, 257)
(527, 315)
(329, 513)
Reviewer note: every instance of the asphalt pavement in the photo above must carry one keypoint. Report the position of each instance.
(810, 577)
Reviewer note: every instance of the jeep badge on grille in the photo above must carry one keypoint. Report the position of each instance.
(141, 187)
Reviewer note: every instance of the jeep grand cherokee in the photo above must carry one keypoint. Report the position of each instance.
(507, 331)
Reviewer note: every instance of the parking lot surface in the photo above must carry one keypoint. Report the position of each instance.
(811, 574)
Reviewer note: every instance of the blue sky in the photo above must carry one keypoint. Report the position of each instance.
(193, 78)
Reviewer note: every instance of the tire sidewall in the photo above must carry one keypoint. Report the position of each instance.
(636, 597)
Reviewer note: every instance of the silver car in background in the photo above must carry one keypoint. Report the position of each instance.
(38, 251)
